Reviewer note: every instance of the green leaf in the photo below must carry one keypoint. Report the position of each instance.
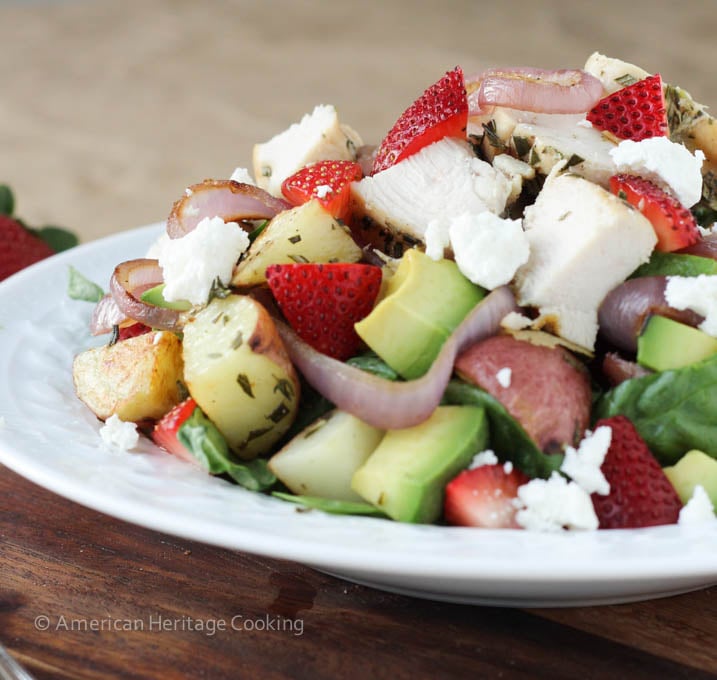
(674, 411)
(507, 437)
(331, 506)
(79, 287)
(372, 363)
(204, 441)
(7, 200)
(57, 238)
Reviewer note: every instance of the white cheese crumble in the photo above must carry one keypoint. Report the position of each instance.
(583, 464)
(504, 376)
(242, 176)
(514, 321)
(554, 504)
(507, 467)
(191, 264)
(436, 238)
(698, 293)
(488, 249)
(584, 123)
(698, 509)
(671, 166)
(156, 248)
(118, 434)
(323, 190)
(486, 457)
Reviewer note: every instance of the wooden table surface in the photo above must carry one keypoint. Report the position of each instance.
(108, 110)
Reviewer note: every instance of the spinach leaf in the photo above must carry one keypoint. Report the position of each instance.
(372, 363)
(7, 200)
(507, 437)
(79, 287)
(207, 445)
(57, 238)
(674, 411)
(331, 506)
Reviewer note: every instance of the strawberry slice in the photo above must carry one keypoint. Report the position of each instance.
(166, 430)
(18, 247)
(132, 331)
(635, 112)
(322, 302)
(674, 225)
(483, 497)
(640, 493)
(327, 181)
(441, 111)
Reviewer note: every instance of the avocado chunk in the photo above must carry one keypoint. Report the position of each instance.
(694, 468)
(406, 475)
(321, 460)
(424, 302)
(676, 264)
(666, 344)
(155, 296)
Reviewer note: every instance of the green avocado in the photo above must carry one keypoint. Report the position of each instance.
(676, 264)
(666, 344)
(155, 296)
(424, 302)
(406, 475)
(694, 468)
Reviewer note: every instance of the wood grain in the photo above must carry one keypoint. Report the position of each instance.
(59, 559)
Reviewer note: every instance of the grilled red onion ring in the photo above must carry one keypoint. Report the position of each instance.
(225, 198)
(105, 315)
(705, 247)
(533, 89)
(625, 309)
(617, 370)
(129, 280)
(396, 405)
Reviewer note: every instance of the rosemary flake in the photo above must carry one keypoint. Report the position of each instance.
(245, 384)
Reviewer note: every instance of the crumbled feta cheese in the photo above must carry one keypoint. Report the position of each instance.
(191, 264)
(554, 504)
(583, 464)
(584, 123)
(698, 293)
(119, 435)
(242, 176)
(698, 509)
(507, 467)
(514, 321)
(323, 190)
(671, 166)
(486, 457)
(503, 376)
(437, 239)
(488, 249)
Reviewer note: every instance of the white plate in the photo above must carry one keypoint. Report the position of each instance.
(49, 437)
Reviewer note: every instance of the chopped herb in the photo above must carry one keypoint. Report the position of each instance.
(253, 235)
(564, 215)
(214, 355)
(522, 146)
(284, 387)
(245, 384)
(79, 287)
(218, 290)
(114, 338)
(621, 194)
(574, 160)
(493, 139)
(534, 157)
(238, 340)
(295, 239)
(351, 147)
(299, 259)
(626, 80)
(255, 434)
(279, 413)
(266, 171)
(217, 317)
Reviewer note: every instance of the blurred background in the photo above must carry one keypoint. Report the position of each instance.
(108, 109)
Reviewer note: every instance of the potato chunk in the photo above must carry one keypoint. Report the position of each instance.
(136, 379)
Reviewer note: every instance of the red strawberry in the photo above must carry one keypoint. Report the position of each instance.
(18, 247)
(441, 111)
(674, 224)
(166, 429)
(636, 112)
(322, 302)
(640, 493)
(329, 181)
(483, 497)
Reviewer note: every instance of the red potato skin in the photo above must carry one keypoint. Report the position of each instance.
(549, 392)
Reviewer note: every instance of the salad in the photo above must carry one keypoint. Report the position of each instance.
(503, 315)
